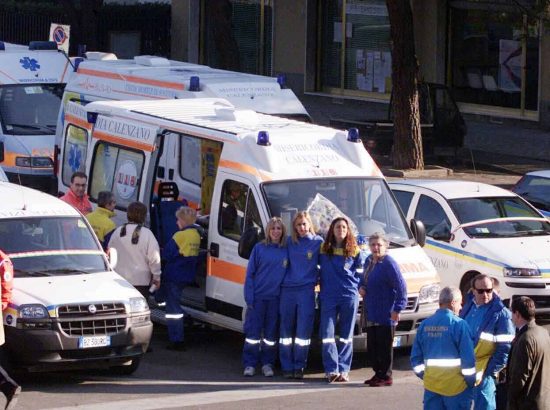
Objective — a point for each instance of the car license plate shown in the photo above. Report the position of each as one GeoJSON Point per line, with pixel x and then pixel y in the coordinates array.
{"type": "Point", "coordinates": [86, 342]}
{"type": "Point", "coordinates": [397, 341]}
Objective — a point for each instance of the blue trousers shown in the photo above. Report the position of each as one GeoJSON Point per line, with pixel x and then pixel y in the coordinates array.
{"type": "Point", "coordinates": [261, 320]}
{"type": "Point", "coordinates": [297, 313]}
{"type": "Point", "coordinates": [434, 401]}
{"type": "Point", "coordinates": [174, 312]}
{"type": "Point", "coordinates": [337, 356]}
{"type": "Point", "coordinates": [485, 394]}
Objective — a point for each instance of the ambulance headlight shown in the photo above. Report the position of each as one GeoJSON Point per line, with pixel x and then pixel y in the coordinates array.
{"type": "Point", "coordinates": [521, 272]}
{"type": "Point", "coordinates": [429, 293]}
{"type": "Point", "coordinates": [33, 312]}
{"type": "Point", "coordinates": [138, 305]}
{"type": "Point", "coordinates": [35, 162]}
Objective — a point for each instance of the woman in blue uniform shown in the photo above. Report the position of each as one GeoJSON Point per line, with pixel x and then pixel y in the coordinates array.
{"type": "Point", "coordinates": [265, 272]}
{"type": "Point", "coordinates": [297, 307]}
{"type": "Point", "coordinates": [339, 260]}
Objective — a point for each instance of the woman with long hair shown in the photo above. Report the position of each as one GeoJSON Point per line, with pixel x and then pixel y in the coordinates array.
{"type": "Point", "coordinates": [339, 260]}
{"type": "Point", "coordinates": [265, 272]}
{"type": "Point", "coordinates": [297, 307]}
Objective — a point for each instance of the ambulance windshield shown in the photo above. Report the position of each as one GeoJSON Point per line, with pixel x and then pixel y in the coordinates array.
{"type": "Point", "coordinates": [367, 203]}
{"type": "Point", "coordinates": [30, 109]}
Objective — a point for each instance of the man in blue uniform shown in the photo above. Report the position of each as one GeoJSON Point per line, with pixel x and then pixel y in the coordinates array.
{"type": "Point", "coordinates": [493, 332]}
{"type": "Point", "coordinates": [443, 356]}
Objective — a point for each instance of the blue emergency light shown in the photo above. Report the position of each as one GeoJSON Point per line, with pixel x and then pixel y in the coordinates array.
{"type": "Point", "coordinates": [91, 117]}
{"type": "Point", "coordinates": [263, 138]}
{"type": "Point", "coordinates": [353, 135]}
{"type": "Point", "coordinates": [2, 46]}
{"type": "Point", "coordinates": [81, 50]}
{"type": "Point", "coordinates": [77, 62]}
{"type": "Point", "coordinates": [194, 83]}
{"type": "Point", "coordinates": [281, 79]}
{"type": "Point", "coordinates": [43, 45]}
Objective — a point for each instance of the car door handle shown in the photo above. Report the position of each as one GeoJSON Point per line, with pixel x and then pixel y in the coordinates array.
{"type": "Point", "coordinates": [214, 250]}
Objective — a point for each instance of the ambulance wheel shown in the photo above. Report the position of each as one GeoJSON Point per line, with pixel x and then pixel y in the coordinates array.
{"type": "Point", "coordinates": [127, 369]}
{"type": "Point", "coordinates": [466, 283]}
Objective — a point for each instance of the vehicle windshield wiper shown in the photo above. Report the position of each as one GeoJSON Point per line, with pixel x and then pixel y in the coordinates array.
{"type": "Point", "coordinates": [32, 272]}
{"type": "Point", "coordinates": [396, 244]}
{"type": "Point", "coordinates": [48, 128]}
{"type": "Point", "coordinates": [64, 271]}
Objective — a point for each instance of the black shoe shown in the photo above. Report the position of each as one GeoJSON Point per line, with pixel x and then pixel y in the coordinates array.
{"type": "Point", "coordinates": [299, 374]}
{"type": "Point", "coordinates": [149, 349]}
{"type": "Point", "coordinates": [288, 375]}
{"type": "Point", "coordinates": [177, 346]}
{"type": "Point", "coordinates": [11, 391]}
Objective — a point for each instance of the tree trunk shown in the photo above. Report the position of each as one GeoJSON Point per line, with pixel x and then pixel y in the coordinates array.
{"type": "Point", "coordinates": [407, 139]}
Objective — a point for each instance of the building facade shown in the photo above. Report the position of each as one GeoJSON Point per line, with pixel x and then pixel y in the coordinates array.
{"type": "Point", "coordinates": [335, 55]}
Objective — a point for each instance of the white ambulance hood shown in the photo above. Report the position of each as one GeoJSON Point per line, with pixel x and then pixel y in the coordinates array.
{"type": "Point", "coordinates": [72, 289]}
{"type": "Point", "coordinates": [31, 145]}
{"type": "Point", "coordinates": [525, 252]}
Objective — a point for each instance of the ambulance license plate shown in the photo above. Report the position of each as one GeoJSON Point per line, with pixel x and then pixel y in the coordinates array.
{"type": "Point", "coordinates": [86, 342]}
{"type": "Point", "coordinates": [397, 341]}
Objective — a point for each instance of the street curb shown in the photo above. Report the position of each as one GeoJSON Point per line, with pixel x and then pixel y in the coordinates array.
{"type": "Point", "coordinates": [431, 171]}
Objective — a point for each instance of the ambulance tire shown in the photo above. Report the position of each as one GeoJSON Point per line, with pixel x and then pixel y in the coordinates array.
{"type": "Point", "coordinates": [466, 283]}
{"type": "Point", "coordinates": [126, 370]}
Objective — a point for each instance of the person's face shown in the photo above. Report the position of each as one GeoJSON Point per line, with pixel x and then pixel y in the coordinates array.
{"type": "Point", "coordinates": [276, 233]}
{"type": "Point", "coordinates": [378, 248]}
{"type": "Point", "coordinates": [340, 231]}
{"type": "Point", "coordinates": [235, 193]}
{"type": "Point", "coordinates": [302, 227]}
{"type": "Point", "coordinates": [78, 186]}
{"type": "Point", "coordinates": [516, 319]}
{"type": "Point", "coordinates": [111, 205]}
{"type": "Point", "coordinates": [483, 291]}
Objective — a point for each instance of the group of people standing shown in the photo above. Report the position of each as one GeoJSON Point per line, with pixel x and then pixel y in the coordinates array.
{"type": "Point", "coordinates": [280, 283]}
{"type": "Point", "coordinates": [138, 253]}
{"type": "Point", "coordinates": [462, 352]}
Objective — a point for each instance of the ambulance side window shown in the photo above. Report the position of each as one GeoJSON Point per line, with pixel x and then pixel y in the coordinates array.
{"type": "Point", "coordinates": [118, 170]}
{"type": "Point", "coordinates": [74, 153]}
{"type": "Point", "coordinates": [190, 159]}
{"type": "Point", "coordinates": [238, 210]}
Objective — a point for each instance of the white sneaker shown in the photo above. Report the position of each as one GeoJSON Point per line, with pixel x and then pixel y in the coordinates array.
{"type": "Point", "coordinates": [267, 370]}
{"type": "Point", "coordinates": [249, 371]}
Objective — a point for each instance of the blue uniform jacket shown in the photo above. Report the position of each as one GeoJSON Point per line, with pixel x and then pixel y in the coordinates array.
{"type": "Point", "coordinates": [303, 258]}
{"type": "Point", "coordinates": [443, 354]}
{"type": "Point", "coordinates": [265, 272]}
{"type": "Point", "coordinates": [494, 337]}
{"type": "Point", "coordinates": [339, 275]}
{"type": "Point", "coordinates": [181, 254]}
{"type": "Point", "coordinates": [386, 291]}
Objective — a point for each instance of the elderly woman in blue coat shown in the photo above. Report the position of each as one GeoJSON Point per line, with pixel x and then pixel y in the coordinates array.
{"type": "Point", "coordinates": [339, 260]}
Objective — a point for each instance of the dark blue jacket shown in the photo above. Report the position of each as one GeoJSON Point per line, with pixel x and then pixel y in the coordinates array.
{"type": "Point", "coordinates": [386, 291]}
{"type": "Point", "coordinates": [181, 255]}
{"type": "Point", "coordinates": [339, 277]}
{"type": "Point", "coordinates": [303, 257]}
{"type": "Point", "coordinates": [265, 272]}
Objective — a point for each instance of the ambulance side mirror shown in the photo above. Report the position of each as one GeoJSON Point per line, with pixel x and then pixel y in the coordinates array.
{"type": "Point", "coordinates": [1, 151]}
{"type": "Point", "coordinates": [419, 231]}
{"type": "Point", "coordinates": [249, 239]}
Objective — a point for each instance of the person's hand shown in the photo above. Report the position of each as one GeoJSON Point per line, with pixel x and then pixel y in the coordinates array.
{"type": "Point", "coordinates": [156, 281]}
{"type": "Point", "coordinates": [395, 316]}
{"type": "Point", "coordinates": [362, 292]}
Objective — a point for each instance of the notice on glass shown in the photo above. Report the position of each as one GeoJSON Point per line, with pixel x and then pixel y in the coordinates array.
{"type": "Point", "coordinates": [509, 75]}
{"type": "Point", "coordinates": [337, 37]}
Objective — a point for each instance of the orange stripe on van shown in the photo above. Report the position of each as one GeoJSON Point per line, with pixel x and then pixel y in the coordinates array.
{"type": "Point", "coordinates": [131, 78]}
{"type": "Point", "coordinates": [226, 270]}
{"type": "Point", "coordinates": [239, 167]}
{"type": "Point", "coordinates": [10, 77]}
{"type": "Point", "coordinates": [64, 71]}
{"type": "Point", "coordinates": [78, 121]}
{"type": "Point", "coordinates": [122, 141]}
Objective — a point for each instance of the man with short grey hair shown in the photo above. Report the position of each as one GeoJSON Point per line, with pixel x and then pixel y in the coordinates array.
{"type": "Point", "coordinates": [443, 355]}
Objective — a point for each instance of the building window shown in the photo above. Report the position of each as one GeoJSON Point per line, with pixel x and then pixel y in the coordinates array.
{"type": "Point", "coordinates": [493, 55]}
{"type": "Point", "coordinates": [355, 47]}
{"type": "Point", "coordinates": [237, 35]}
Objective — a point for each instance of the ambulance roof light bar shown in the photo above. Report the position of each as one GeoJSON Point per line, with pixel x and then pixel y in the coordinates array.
{"type": "Point", "coordinates": [353, 135]}
{"type": "Point", "coordinates": [42, 45]}
{"type": "Point", "coordinates": [2, 46]}
{"type": "Point", "coordinates": [263, 138]}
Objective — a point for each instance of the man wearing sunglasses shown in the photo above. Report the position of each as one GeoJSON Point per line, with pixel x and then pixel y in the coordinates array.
{"type": "Point", "coordinates": [491, 326]}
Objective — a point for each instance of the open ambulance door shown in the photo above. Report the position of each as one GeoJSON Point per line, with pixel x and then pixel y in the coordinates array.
{"type": "Point", "coordinates": [236, 206]}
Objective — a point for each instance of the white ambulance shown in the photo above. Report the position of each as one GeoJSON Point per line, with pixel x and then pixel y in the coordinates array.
{"type": "Point", "coordinates": [103, 77]}
{"type": "Point", "coordinates": [69, 308]}
{"type": "Point", "coordinates": [32, 79]}
{"type": "Point", "coordinates": [205, 149]}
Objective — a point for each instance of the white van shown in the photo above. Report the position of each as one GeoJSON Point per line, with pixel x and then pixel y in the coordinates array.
{"type": "Point", "coordinates": [479, 228]}
{"type": "Point", "coordinates": [203, 149]}
{"type": "Point", "coordinates": [32, 79]}
{"type": "Point", "coordinates": [69, 309]}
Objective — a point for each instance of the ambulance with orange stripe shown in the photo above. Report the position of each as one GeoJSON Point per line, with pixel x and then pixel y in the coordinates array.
{"type": "Point", "coordinates": [32, 79]}
{"type": "Point", "coordinates": [210, 149]}
{"type": "Point", "coordinates": [102, 77]}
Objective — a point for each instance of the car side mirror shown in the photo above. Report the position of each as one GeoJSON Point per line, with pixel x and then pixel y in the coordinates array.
{"type": "Point", "coordinates": [249, 239]}
{"type": "Point", "coordinates": [419, 231]}
{"type": "Point", "coordinates": [1, 151]}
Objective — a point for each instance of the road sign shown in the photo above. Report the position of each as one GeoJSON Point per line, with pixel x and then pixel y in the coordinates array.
{"type": "Point", "coordinates": [60, 34]}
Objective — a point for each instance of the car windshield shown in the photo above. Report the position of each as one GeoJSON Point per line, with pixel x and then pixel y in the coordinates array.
{"type": "Point", "coordinates": [478, 209]}
{"type": "Point", "coordinates": [51, 246]}
{"type": "Point", "coordinates": [30, 109]}
{"type": "Point", "coordinates": [367, 203]}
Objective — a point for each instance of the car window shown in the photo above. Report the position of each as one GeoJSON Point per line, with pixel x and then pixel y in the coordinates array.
{"type": "Point", "coordinates": [404, 199]}
{"type": "Point", "coordinates": [238, 210]}
{"type": "Point", "coordinates": [431, 213]}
